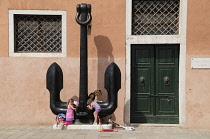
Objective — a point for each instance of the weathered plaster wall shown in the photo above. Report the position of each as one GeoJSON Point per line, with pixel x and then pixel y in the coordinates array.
{"type": "Point", "coordinates": [24, 98]}
{"type": "Point", "coordinates": [197, 80]}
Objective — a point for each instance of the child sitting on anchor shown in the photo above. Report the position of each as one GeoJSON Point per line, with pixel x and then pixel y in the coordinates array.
{"type": "Point", "coordinates": [70, 111]}
{"type": "Point", "coordinates": [91, 96]}
{"type": "Point", "coordinates": [94, 95]}
{"type": "Point", "coordinates": [92, 104]}
{"type": "Point", "coordinates": [60, 121]}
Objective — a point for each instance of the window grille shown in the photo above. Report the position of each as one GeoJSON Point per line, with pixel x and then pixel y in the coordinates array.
{"type": "Point", "coordinates": [155, 17]}
{"type": "Point", "coordinates": [38, 33]}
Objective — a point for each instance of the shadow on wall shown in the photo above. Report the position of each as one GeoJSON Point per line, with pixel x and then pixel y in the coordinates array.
{"type": "Point", "coordinates": [105, 57]}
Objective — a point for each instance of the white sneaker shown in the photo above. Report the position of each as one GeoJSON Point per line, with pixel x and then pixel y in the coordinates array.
{"type": "Point", "coordinates": [61, 126]}
{"type": "Point", "coordinates": [94, 123]}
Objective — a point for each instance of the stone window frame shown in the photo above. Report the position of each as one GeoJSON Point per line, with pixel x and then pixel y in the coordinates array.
{"type": "Point", "coordinates": [12, 52]}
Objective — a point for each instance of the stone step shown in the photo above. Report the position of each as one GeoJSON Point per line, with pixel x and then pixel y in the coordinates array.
{"type": "Point", "coordinates": [73, 126]}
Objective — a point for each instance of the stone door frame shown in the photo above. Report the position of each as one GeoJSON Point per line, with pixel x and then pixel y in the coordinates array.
{"type": "Point", "coordinates": [158, 39]}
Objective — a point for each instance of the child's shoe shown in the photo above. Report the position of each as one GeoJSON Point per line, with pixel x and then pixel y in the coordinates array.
{"type": "Point", "coordinates": [94, 123]}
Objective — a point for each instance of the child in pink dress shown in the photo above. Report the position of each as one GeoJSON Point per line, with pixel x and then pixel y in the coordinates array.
{"type": "Point", "coordinates": [70, 112]}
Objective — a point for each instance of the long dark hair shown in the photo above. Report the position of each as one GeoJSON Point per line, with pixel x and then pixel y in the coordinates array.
{"type": "Point", "coordinates": [93, 97]}
{"type": "Point", "coordinates": [70, 100]}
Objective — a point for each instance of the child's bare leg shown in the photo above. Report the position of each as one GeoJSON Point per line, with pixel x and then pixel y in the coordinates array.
{"type": "Point", "coordinates": [95, 117]}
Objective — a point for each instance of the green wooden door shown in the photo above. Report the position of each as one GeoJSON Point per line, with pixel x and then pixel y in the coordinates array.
{"type": "Point", "coordinates": [154, 84]}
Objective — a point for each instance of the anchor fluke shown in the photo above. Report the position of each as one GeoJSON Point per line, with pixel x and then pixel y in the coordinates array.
{"type": "Point", "coordinates": [54, 85]}
{"type": "Point", "coordinates": [112, 85]}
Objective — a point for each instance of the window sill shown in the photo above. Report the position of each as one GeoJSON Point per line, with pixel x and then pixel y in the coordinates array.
{"type": "Point", "coordinates": [37, 54]}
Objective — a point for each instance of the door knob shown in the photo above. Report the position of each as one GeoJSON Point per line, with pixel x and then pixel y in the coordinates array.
{"type": "Point", "coordinates": [168, 99]}
{"type": "Point", "coordinates": [166, 80]}
{"type": "Point", "coordinates": [142, 80]}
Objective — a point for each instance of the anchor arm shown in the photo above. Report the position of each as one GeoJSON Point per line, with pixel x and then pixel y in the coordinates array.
{"type": "Point", "coordinates": [112, 85]}
{"type": "Point", "coordinates": [55, 85]}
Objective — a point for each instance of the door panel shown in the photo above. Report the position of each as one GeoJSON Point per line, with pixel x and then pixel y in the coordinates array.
{"type": "Point", "coordinates": [142, 108]}
{"type": "Point", "coordinates": [143, 91]}
{"type": "Point", "coordinates": [143, 67]}
{"type": "Point", "coordinates": [165, 87]}
{"type": "Point", "coordinates": [166, 81]}
{"type": "Point", "coordinates": [143, 56]}
{"type": "Point", "coordinates": [165, 106]}
{"type": "Point", "coordinates": [144, 85]}
{"type": "Point", "coordinates": [154, 83]}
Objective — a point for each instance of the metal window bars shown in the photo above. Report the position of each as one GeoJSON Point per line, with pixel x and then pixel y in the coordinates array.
{"type": "Point", "coordinates": [38, 33]}
{"type": "Point", "coordinates": [155, 17]}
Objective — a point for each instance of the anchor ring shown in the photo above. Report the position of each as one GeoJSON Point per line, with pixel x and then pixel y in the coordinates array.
{"type": "Point", "coordinates": [88, 15]}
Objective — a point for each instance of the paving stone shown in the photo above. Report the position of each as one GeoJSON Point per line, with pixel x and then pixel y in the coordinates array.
{"type": "Point", "coordinates": [129, 136]}
{"type": "Point", "coordinates": [38, 136]}
{"type": "Point", "coordinates": [116, 136]}
{"type": "Point", "coordinates": [79, 136]}
{"type": "Point", "coordinates": [2, 131]}
{"type": "Point", "coordinates": [70, 135]}
{"type": "Point", "coordinates": [2, 127]}
{"type": "Point", "coordinates": [92, 137]}
{"type": "Point", "coordinates": [7, 134]}
{"type": "Point", "coordinates": [105, 137]}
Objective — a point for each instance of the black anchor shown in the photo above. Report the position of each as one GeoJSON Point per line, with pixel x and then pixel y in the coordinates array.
{"type": "Point", "coordinates": [55, 78]}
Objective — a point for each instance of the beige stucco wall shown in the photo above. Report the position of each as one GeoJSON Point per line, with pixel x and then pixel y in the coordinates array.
{"type": "Point", "coordinates": [24, 98]}
{"type": "Point", "coordinates": [198, 80]}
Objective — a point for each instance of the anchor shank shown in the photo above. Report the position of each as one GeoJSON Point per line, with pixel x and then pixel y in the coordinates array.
{"type": "Point", "coordinates": [83, 92]}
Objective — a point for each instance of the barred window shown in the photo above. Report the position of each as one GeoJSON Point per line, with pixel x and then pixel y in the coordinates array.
{"type": "Point", "coordinates": [38, 33]}
{"type": "Point", "coordinates": [155, 17]}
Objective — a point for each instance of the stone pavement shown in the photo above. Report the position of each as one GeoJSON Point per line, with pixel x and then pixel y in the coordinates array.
{"type": "Point", "coordinates": [47, 132]}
